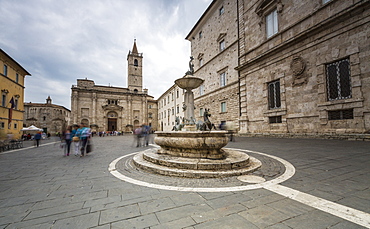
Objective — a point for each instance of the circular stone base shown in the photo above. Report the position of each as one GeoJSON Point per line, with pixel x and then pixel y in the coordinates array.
{"type": "Point", "coordinates": [236, 163]}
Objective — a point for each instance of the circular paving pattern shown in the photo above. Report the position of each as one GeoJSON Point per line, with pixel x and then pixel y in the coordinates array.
{"type": "Point", "coordinates": [274, 170]}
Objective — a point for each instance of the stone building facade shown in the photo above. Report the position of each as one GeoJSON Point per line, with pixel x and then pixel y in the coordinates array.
{"type": "Point", "coordinates": [48, 116]}
{"type": "Point", "coordinates": [106, 108]}
{"type": "Point", "coordinates": [214, 46]}
{"type": "Point", "coordinates": [170, 106]}
{"type": "Point", "coordinates": [12, 78]}
{"type": "Point", "coordinates": [304, 66]}
{"type": "Point", "coordinates": [293, 67]}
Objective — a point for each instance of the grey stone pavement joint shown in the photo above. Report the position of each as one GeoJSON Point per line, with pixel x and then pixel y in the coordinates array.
{"type": "Point", "coordinates": [39, 188]}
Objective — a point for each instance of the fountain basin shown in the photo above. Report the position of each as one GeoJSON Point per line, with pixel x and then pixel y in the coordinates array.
{"type": "Point", "coordinates": [192, 144]}
{"type": "Point", "coordinates": [189, 82]}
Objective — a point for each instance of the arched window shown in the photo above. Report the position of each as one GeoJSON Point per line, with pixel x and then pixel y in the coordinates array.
{"type": "Point", "coordinates": [136, 63]}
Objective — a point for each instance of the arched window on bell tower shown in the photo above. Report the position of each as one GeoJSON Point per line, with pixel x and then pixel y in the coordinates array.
{"type": "Point", "coordinates": [136, 63]}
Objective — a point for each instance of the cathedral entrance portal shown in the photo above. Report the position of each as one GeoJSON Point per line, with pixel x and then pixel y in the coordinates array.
{"type": "Point", "coordinates": [112, 121]}
{"type": "Point", "coordinates": [112, 124]}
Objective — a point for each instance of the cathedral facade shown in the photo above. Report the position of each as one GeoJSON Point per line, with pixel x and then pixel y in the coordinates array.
{"type": "Point", "coordinates": [106, 108]}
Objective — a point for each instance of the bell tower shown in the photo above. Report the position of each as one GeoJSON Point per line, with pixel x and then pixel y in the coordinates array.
{"type": "Point", "coordinates": [135, 70]}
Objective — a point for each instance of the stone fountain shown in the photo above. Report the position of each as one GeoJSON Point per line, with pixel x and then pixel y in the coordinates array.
{"type": "Point", "coordinates": [191, 153]}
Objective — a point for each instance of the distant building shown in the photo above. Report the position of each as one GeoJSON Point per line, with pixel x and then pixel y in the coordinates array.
{"type": "Point", "coordinates": [12, 79]}
{"type": "Point", "coordinates": [170, 106]}
{"type": "Point", "coordinates": [50, 117]}
{"type": "Point", "coordinates": [106, 108]}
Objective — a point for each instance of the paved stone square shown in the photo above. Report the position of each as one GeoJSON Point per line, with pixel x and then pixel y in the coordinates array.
{"type": "Point", "coordinates": [39, 188]}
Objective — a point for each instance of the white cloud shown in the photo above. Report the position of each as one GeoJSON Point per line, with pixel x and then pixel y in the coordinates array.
{"type": "Point", "coordinates": [61, 41]}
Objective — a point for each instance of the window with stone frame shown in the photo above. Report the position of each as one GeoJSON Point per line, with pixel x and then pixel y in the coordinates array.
{"type": "Point", "coordinates": [3, 99]}
{"type": "Point", "coordinates": [223, 107]}
{"type": "Point", "coordinates": [340, 114]}
{"type": "Point", "coordinates": [221, 10]}
{"type": "Point", "coordinates": [200, 62]}
{"type": "Point", "coordinates": [2, 125]}
{"type": "Point", "coordinates": [272, 23]}
{"type": "Point", "coordinates": [201, 89]}
{"type": "Point", "coordinates": [274, 100]}
{"type": "Point", "coordinates": [222, 45]}
{"type": "Point", "coordinates": [223, 80]}
{"type": "Point", "coordinates": [338, 80]}
{"type": "Point", "coordinates": [201, 112]}
{"type": "Point", "coordinates": [5, 70]}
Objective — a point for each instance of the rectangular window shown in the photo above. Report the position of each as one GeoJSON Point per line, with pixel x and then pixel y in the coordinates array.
{"type": "Point", "coordinates": [177, 109]}
{"type": "Point", "coordinates": [16, 77]}
{"type": "Point", "coordinates": [274, 95]}
{"type": "Point", "coordinates": [177, 93]}
{"type": "Point", "coordinates": [2, 125]}
{"type": "Point", "coordinates": [222, 45]}
{"type": "Point", "coordinates": [15, 126]}
{"type": "Point", "coordinates": [223, 107]}
{"type": "Point", "coordinates": [222, 10]}
{"type": "Point", "coordinates": [5, 70]}
{"type": "Point", "coordinates": [200, 62]}
{"type": "Point", "coordinates": [223, 79]}
{"type": "Point", "coordinates": [340, 114]}
{"type": "Point", "coordinates": [173, 111]}
{"type": "Point", "coordinates": [275, 119]}
{"type": "Point", "coordinates": [3, 100]}
{"type": "Point", "coordinates": [338, 78]}
{"type": "Point", "coordinates": [200, 34]}
{"type": "Point", "coordinates": [201, 112]}
{"type": "Point", "coordinates": [201, 90]}
{"type": "Point", "coordinates": [16, 104]}
{"type": "Point", "coordinates": [271, 24]}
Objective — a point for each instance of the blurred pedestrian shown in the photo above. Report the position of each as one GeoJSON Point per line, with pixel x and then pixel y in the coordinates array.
{"type": "Point", "coordinates": [84, 133]}
{"type": "Point", "coordinates": [37, 138]}
{"type": "Point", "coordinates": [75, 140]}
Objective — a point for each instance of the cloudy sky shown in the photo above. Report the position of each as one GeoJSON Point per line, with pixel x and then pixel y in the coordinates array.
{"type": "Point", "coordinates": [60, 41]}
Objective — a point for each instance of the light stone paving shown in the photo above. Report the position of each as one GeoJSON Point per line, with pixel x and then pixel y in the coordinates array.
{"type": "Point", "coordinates": [39, 188]}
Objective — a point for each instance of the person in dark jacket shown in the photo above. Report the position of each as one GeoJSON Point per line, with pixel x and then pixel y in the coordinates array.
{"type": "Point", "coordinates": [38, 138]}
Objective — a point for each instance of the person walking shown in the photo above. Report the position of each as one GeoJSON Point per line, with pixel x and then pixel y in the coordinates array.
{"type": "Point", "coordinates": [85, 133]}
{"type": "Point", "coordinates": [76, 141]}
{"type": "Point", "coordinates": [67, 137]}
{"type": "Point", "coordinates": [37, 138]}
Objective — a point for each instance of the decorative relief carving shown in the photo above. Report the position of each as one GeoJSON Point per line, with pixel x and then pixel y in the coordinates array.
{"type": "Point", "coordinates": [298, 66]}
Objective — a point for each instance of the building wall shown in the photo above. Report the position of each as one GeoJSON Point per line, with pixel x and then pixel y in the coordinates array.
{"type": "Point", "coordinates": [170, 106]}
{"type": "Point", "coordinates": [309, 39]}
{"type": "Point", "coordinates": [211, 29]}
{"type": "Point", "coordinates": [11, 86]}
{"type": "Point", "coordinates": [50, 117]}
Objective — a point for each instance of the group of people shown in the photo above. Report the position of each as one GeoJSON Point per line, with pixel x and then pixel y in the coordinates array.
{"type": "Point", "coordinates": [142, 135]}
{"type": "Point", "coordinates": [80, 137]}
